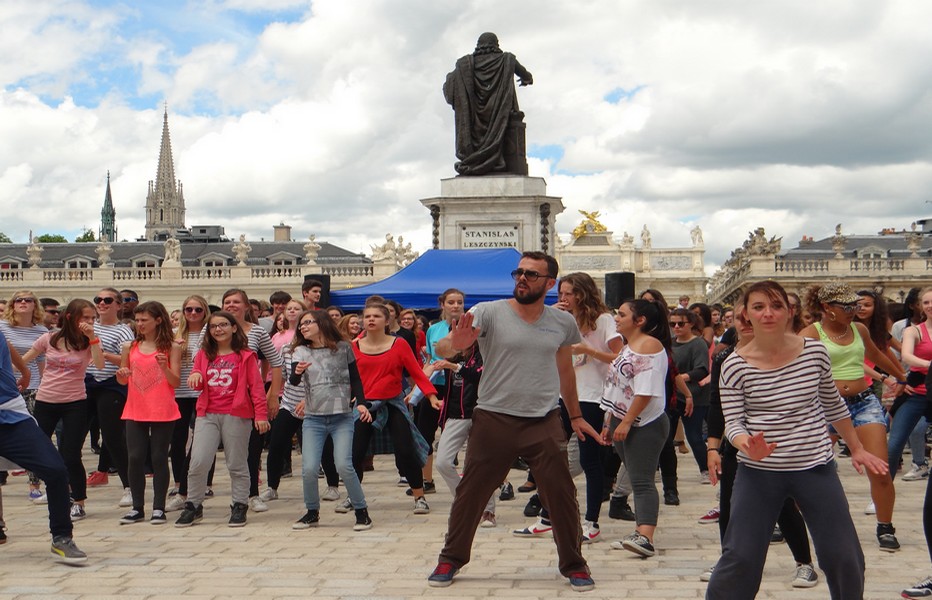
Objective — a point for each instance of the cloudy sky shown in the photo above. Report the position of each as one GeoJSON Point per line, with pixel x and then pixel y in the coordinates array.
{"type": "Point", "coordinates": [328, 115]}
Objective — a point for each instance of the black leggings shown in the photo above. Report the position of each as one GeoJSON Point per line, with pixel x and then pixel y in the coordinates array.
{"type": "Point", "coordinates": [283, 429]}
{"type": "Point", "coordinates": [427, 419]}
{"type": "Point", "coordinates": [143, 438]}
{"type": "Point", "coordinates": [405, 457]}
{"type": "Point", "coordinates": [791, 522]}
{"type": "Point", "coordinates": [73, 416]}
{"type": "Point", "coordinates": [110, 403]}
{"type": "Point", "coordinates": [179, 443]}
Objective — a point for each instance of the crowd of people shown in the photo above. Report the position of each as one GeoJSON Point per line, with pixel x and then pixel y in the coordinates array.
{"type": "Point", "coordinates": [764, 395]}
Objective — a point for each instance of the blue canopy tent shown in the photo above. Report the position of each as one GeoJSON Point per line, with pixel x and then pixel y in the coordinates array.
{"type": "Point", "coordinates": [482, 274]}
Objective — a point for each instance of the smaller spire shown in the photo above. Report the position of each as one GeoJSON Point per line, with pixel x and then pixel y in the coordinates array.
{"type": "Point", "coordinates": [108, 231]}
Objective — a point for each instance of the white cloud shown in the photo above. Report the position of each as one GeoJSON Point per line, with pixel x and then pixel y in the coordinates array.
{"type": "Point", "coordinates": [794, 116]}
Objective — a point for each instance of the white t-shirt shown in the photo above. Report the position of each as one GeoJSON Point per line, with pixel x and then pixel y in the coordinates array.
{"type": "Point", "coordinates": [591, 372]}
{"type": "Point", "coordinates": [633, 374]}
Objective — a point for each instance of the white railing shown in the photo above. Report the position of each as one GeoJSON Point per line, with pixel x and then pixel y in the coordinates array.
{"type": "Point", "coordinates": [11, 275]}
{"type": "Point", "coordinates": [860, 265]}
{"type": "Point", "coordinates": [211, 273]}
{"type": "Point", "coordinates": [348, 271]}
{"type": "Point", "coordinates": [136, 274]}
{"type": "Point", "coordinates": [276, 272]}
{"type": "Point", "coordinates": [800, 266]}
{"type": "Point", "coordinates": [67, 274]}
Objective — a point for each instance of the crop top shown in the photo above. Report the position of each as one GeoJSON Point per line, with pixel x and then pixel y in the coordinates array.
{"type": "Point", "coordinates": [847, 360]}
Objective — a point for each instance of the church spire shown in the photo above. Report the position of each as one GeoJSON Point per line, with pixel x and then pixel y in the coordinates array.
{"type": "Point", "coordinates": [165, 200]}
{"type": "Point", "coordinates": [108, 231]}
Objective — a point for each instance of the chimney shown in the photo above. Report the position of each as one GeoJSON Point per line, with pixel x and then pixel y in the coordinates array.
{"type": "Point", "coordinates": [282, 233]}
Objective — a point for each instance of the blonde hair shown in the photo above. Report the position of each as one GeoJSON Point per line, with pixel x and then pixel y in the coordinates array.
{"type": "Point", "coordinates": [38, 314]}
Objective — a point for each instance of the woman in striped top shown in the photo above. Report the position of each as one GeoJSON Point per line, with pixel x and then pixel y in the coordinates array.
{"type": "Point", "coordinates": [777, 394]}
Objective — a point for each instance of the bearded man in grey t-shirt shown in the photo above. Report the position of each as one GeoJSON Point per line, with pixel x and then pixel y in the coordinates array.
{"type": "Point", "coordinates": [528, 366]}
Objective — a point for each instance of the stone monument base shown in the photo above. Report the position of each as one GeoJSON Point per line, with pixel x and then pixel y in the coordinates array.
{"type": "Point", "coordinates": [494, 211]}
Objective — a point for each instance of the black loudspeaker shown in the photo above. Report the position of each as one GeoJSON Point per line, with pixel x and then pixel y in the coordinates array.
{"type": "Point", "coordinates": [324, 279]}
{"type": "Point", "coordinates": [619, 286]}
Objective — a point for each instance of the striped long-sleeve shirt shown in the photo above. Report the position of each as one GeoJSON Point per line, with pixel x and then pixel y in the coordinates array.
{"type": "Point", "coordinates": [790, 405]}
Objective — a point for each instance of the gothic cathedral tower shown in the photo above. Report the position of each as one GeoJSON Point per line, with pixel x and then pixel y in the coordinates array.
{"type": "Point", "coordinates": [108, 230]}
{"type": "Point", "coordinates": [165, 201]}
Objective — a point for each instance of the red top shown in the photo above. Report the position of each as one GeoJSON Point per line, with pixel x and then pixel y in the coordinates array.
{"type": "Point", "coordinates": [381, 373]}
{"type": "Point", "coordinates": [149, 396]}
{"type": "Point", "coordinates": [923, 350]}
{"type": "Point", "coordinates": [232, 385]}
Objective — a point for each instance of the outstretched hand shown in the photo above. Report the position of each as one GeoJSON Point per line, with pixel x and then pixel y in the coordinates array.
{"type": "Point", "coordinates": [463, 335]}
{"type": "Point", "coordinates": [757, 448]}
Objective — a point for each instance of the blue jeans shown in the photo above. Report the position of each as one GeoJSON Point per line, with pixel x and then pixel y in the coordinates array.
{"type": "Point", "coordinates": [904, 422]}
{"type": "Point", "coordinates": [340, 429]}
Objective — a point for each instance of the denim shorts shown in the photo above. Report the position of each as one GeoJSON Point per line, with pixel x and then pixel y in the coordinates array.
{"type": "Point", "coordinates": [866, 411]}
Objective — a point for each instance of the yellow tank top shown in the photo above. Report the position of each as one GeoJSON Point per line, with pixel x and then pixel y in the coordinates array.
{"type": "Point", "coordinates": [848, 360]}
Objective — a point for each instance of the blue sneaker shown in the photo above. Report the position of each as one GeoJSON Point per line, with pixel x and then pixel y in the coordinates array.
{"type": "Point", "coordinates": [581, 582]}
{"type": "Point", "coordinates": [35, 494]}
{"type": "Point", "coordinates": [442, 575]}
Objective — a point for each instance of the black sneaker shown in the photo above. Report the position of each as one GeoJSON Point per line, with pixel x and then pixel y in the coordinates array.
{"type": "Point", "coordinates": [133, 516]}
{"type": "Point", "coordinates": [238, 514]}
{"type": "Point", "coordinates": [777, 536]}
{"type": "Point", "coordinates": [923, 589]}
{"type": "Point", "coordinates": [507, 492]}
{"type": "Point", "coordinates": [363, 522]}
{"type": "Point", "coordinates": [190, 515]}
{"type": "Point", "coordinates": [429, 488]}
{"type": "Point", "coordinates": [532, 509]}
{"type": "Point", "coordinates": [671, 498]}
{"type": "Point", "coordinates": [886, 537]}
{"type": "Point", "coordinates": [158, 517]}
{"type": "Point", "coordinates": [310, 519]}
{"type": "Point", "coordinates": [618, 508]}
{"type": "Point", "coordinates": [2, 536]}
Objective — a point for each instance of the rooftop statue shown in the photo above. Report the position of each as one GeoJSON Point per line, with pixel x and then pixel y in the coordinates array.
{"type": "Point", "coordinates": [489, 126]}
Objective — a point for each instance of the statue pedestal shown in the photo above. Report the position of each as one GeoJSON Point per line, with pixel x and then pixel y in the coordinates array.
{"type": "Point", "coordinates": [494, 211]}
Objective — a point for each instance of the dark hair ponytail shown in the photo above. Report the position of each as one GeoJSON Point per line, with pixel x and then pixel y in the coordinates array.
{"type": "Point", "coordinates": [655, 320]}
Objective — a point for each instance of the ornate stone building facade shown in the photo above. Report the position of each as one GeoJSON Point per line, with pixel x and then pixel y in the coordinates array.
{"type": "Point", "coordinates": [889, 262]}
{"type": "Point", "coordinates": [165, 200]}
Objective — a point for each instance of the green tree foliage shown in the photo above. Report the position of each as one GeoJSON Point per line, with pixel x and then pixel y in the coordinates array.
{"type": "Point", "coordinates": [87, 236]}
{"type": "Point", "coordinates": [52, 238]}
{"type": "Point", "coordinates": [5, 239]}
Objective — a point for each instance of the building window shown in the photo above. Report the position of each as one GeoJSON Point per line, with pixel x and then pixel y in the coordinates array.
{"type": "Point", "coordinates": [283, 262]}
{"type": "Point", "coordinates": [78, 264]}
{"type": "Point", "coordinates": [6, 266]}
{"type": "Point", "coordinates": [213, 263]}
{"type": "Point", "coordinates": [145, 264]}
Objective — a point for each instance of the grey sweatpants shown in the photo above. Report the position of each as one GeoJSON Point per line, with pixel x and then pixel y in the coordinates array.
{"type": "Point", "coordinates": [209, 431]}
{"type": "Point", "coordinates": [455, 432]}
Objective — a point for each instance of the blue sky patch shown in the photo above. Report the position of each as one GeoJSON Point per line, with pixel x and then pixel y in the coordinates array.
{"type": "Point", "coordinates": [619, 94]}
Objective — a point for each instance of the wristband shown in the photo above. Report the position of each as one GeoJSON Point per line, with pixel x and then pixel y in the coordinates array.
{"type": "Point", "coordinates": [901, 382]}
{"type": "Point", "coordinates": [94, 341]}
{"type": "Point", "coordinates": [576, 417]}
{"type": "Point", "coordinates": [719, 450]}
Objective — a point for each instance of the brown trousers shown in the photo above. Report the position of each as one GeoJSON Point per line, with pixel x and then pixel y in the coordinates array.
{"type": "Point", "coordinates": [495, 440]}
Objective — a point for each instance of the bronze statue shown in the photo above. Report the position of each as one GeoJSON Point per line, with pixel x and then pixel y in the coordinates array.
{"type": "Point", "coordinates": [489, 126]}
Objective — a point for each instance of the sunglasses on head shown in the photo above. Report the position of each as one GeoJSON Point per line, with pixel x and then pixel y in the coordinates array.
{"type": "Point", "coordinates": [193, 309]}
{"type": "Point", "coordinates": [108, 300]}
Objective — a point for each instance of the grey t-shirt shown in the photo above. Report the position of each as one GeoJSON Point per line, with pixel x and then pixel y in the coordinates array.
{"type": "Point", "coordinates": [520, 376]}
{"type": "Point", "coordinates": [327, 380]}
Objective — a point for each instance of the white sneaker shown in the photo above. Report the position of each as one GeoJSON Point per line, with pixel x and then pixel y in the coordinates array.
{"type": "Point", "coordinates": [43, 499]}
{"type": "Point", "coordinates": [707, 574]}
{"type": "Point", "coordinates": [343, 507]}
{"type": "Point", "coordinates": [175, 503]}
{"type": "Point", "coordinates": [127, 499]}
{"type": "Point", "coordinates": [590, 532]}
{"type": "Point", "coordinates": [267, 495]}
{"type": "Point", "coordinates": [916, 473]}
{"type": "Point", "coordinates": [704, 478]}
{"type": "Point", "coordinates": [806, 577]}
{"type": "Point", "coordinates": [256, 504]}
{"type": "Point", "coordinates": [331, 494]}
{"type": "Point", "coordinates": [871, 509]}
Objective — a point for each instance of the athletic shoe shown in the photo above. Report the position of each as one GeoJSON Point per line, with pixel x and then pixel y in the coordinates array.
{"type": "Point", "coordinates": [704, 478]}
{"type": "Point", "coordinates": [209, 493]}
{"type": "Point", "coordinates": [363, 522]}
{"type": "Point", "coordinates": [527, 487]}
{"type": "Point", "coordinates": [287, 475]}
{"type": "Point", "coordinates": [590, 532]}
{"type": "Point", "coordinates": [97, 478]}
{"type": "Point", "coordinates": [267, 495]}
{"type": "Point", "coordinates": [331, 494]}
{"type": "Point", "coordinates": [707, 574]}
{"type": "Point", "coordinates": [65, 548]}
{"type": "Point", "coordinates": [310, 519]}
{"type": "Point", "coordinates": [886, 537]}
{"type": "Point", "coordinates": [133, 516]}
{"type": "Point", "coordinates": [916, 473]}
{"type": "Point", "coordinates": [806, 577]}
{"type": "Point", "coordinates": [671, 498]}
{"type": "Point", "coordinates": [2, 536]}
{"type": "Point", "coordinates": [871, 509]}
{"type": "Point", "coordinates": [618, 508]}
{"type": "Point", "coordinates": [507, 492]}
{"type": "Point", "coordinates": [488, 519]}
{"type": "Point", "coordinates": [343, 507]}
{"type": "Point", "coordinates": [420, 506]}
{"type": "Point", "coordinates": [190, 515]}
{"type": "Point", "coordinates": [403, 482]}
{"type": "Point", "coordinates": [533, 506]}
{"type": "Point", "coordinates": [710, 517]}
{"type": "Point", "coordinates": [127, 499]}
{"type": "Point", "coordinates": [442, 575]}
{"type": "Point", "coordinates": [777, 536]}
{"type": "Point", "coordinates": [77, 512]}
{"type": "Point", "coordinates": [42, 499]}
{"type": "Point", "coordinates": [35, 494]}
{"type": "Point", "coordinates": [581, 582]}
{"type": "Point", "coordinates": [173, 492]}
{"type": "Point", "coordinates": [429, 488]}
{"type": "Point", "coordinates": [238, 514]}
{"type": "Point", "coordinates": [923, 589]}
{"type": "Point", "coordinates": [176, 503]}
{"type": "Point", "coordinates": [636, 543]}
{"type": "Point", "coordinates": [158, 518]}
{"type": "Point", "coordinates": [539, 528]}
{"type": "Point", "coordinates": [256, 504]}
